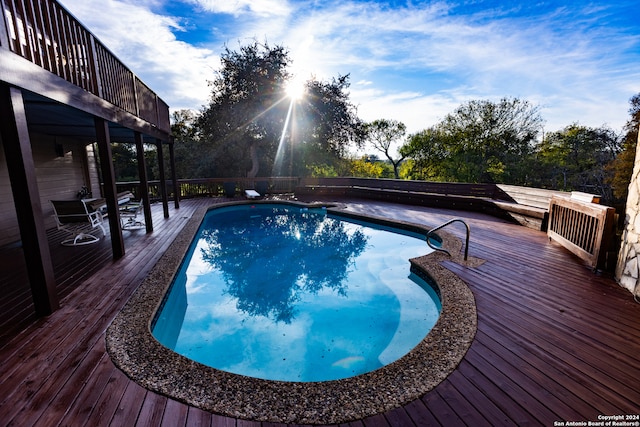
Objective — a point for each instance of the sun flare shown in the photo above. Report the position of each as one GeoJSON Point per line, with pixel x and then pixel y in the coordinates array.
{"type": "Point", "coordinates": [295, 88]}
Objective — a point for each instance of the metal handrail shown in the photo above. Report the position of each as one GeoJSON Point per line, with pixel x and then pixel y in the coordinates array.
{"type": "Point", "coordinates": [466, 246]}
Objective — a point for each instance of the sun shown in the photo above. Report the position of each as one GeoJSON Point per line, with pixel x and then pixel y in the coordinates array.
{"type": "Point", "coordinates": [295, 88]}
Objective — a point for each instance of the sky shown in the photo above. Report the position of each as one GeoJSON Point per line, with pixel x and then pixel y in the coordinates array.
{"type": "Point", "coordinates": [412, 61]}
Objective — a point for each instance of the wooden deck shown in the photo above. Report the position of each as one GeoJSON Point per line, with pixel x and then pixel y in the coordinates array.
{"type": "Point", "coordinates": [555, 341]}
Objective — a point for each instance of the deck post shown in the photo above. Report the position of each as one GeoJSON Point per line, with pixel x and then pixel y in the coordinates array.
{"type": "Point", "coordinates": [174, 178]}
{"type": "Point", "coordinates": [144, 182]}
{"type": "Point", "coordinates": [109, 185]}
{"type": "Point", "coordinates": [163, 182]}
{"type": "Point", "coordinates": [14, 135]}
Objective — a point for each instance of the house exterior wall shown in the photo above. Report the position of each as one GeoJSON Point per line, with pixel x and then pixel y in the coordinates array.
{"type": "Point", "coordinates": [59, 177]}
{"type": "Point", "coordinates": [628, 267]}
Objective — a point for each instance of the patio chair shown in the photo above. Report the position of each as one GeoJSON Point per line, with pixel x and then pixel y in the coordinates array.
{"type": "Point", "coordinates": [129, 215]}
{"type": "Point", "coordinates": [76, 218]}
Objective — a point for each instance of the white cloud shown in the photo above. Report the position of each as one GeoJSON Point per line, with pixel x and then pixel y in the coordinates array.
{"type": "Point", "coordinates": [419, 61]}
{"type": "Point", "coordinates": [416, 110]}
{"type": "Point", "coordinates": [499, 58]}
{"type": "Point", "coordinates": [177, 71]}
{"type": "Point", "coordinates": [239, 7]}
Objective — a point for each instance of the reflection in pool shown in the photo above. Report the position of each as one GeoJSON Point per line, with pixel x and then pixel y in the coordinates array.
{"type": "Point", "coordinates": [284, 293]}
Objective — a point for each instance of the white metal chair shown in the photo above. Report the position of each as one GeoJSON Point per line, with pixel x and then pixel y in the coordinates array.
{"type": "Point", "coordinates": [75, 217]}
{"type": "Point", "coordinates": [129, 215]}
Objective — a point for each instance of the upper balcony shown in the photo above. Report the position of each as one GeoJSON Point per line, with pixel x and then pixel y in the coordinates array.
{"type": "Point", "coordinates": [46, 51]}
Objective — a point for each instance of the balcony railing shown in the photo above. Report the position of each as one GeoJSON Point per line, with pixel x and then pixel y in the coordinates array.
{"type": "Point", "coordinates": [46, 34]}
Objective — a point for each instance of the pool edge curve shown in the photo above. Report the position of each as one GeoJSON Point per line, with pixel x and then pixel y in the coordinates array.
{"type": "Point", "coordinates": [142, 358]}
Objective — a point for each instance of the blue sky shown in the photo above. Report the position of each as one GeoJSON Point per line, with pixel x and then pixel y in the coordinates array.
{"type": "Point", "coordinates": [413, 61]}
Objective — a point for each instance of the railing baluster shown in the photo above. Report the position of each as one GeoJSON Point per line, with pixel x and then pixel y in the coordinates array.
{"type": "Point", "coordinates": [77, 54]}
{"type": "Point", "coordinates": [14, 30]}
{"type": "Point", "coordinates": [93, 59]}
{"type": "Point", "coordinates": [34, 32]}
{"type": "Point", "coordinates": [64, 45]}
{"type": "Point", "coordinates": [28, 43]}
{"type": "Point", "coordinates": [54, 15]}
{"type": "Point", "coordinates": [43, 36]}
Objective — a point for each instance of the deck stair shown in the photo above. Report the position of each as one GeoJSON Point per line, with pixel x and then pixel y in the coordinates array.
{"type": "Point", "coordinates": [526, 205]}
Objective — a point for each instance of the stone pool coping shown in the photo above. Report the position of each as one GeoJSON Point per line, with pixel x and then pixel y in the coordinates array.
{"type": "Point", "coordinates": [142, 358]}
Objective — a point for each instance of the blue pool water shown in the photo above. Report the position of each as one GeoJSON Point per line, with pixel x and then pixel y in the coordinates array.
{"type": "Point", "coordinates": [283, 293]}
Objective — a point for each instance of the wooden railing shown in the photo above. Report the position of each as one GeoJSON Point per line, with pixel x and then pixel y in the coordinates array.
{"type": "Point", "coordinates": [213, 187]}
{"type": "Point", "coordinates": [46, 34]}
{"type": "Point", "coordinates": [583, 228]}
{"type": "Point", "coordinates": [444, 188]}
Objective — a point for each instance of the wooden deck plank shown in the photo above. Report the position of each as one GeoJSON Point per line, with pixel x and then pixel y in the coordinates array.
{"type": "Point", "coordinates": [487, 389]}
{"type": "Point", "coordinates": [50, 400]}
{"type": "Point", "coordinates": [376, 421]}
{"type": "Point", "coordinates": [199, 418]}
{"type": "Point", "coordinates": [555, 341]}
{"type": "Point", "coordinates": [73, 335]}
{"type": "Point", "coordinates": [152, 410]}
{"type": "Point", "coordinates": [561, 377]}
{"type": "Point", "coordinates": [220, 421]}
{"type": "Point", "coordinates": [549, 337]}
{"type": "Point", "coordinates": [175, 414]}
{"type": "Point", "coordinates": [462, 407]}
{"type": "Point", "coordinates": [245, 423]}
{"type": "Point", "coordinates": [522, 397]}
{"type": "Point", "coordinates": [125, 412]}
{"type": "Point", "coordinates": [399, 417]}
{"type": "Point", "coordinates": [591, 331]}
{"type": "Point", "coordinates": [420, 414]}
{"type": "Point", "coordinates": [480, 405]}
{"type": "Point", "coordinates": [80, 410]}
{"type": "Point", "coordinates": [107, 404]}
{"type": "Point", "coordinates": [445, 414]}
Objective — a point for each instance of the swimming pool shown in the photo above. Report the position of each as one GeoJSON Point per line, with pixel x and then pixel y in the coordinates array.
{"type": "Point", "coordinates": [135, 351]}
{"type": "Point", "coordinates": [296, 294]}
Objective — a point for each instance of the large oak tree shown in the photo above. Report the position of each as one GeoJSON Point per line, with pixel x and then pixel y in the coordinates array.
{"type": "Point", "coordinates": [252, 124]}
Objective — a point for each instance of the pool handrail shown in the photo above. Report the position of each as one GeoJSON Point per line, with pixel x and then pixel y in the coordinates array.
{"type": "Point", "coordinates": [466, 246]}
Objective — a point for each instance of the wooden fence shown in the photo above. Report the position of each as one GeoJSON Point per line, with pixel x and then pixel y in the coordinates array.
{"type": "Point", "coordinates": [583, 228]}
{"type": "Point", "coordinates": [213, 187]}
{"type": "Point", "coordinates": [401, 185]}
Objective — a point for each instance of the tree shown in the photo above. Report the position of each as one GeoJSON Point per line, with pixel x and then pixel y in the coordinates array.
{"type": "Point", "coordinates": [245, 117]}
{"type": "Point", "coordinates": [622, 166]}
{"type": "Point", "coordinates": [365, 168]}
{"type": "Point", "coordinates": [191, 154]}
{"type": "Point", "coordinates": [481, 141]}
{"type": "Point", "coordinates": [251, 122]}
{"type": "Point", "coordinates": [429, 156]}
{"type": "Point", "coordinates": [382, 133]}
{"type": "Point", "coordinates": [125, 161]}
{"type": "Point", "coordinates": [125, 165]}
{"type": "Point", "coordinates": [575, 158]}
{"type": "Point", "coordinates": [324, 124]}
